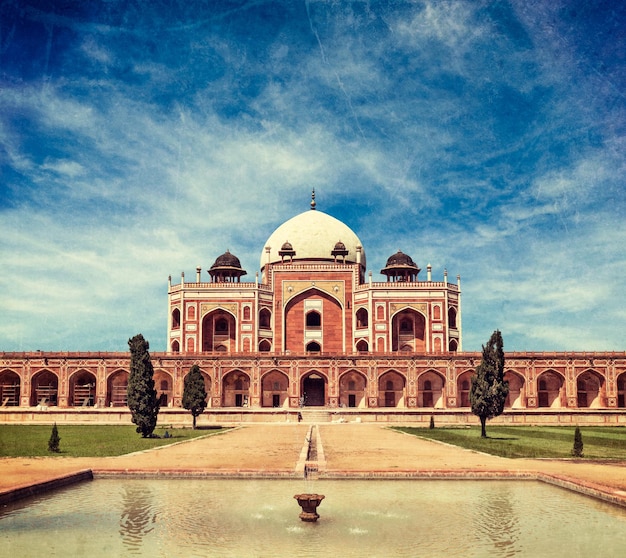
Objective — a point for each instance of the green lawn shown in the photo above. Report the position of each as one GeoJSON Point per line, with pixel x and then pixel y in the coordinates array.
{"type": "Point", "coordinates": [17, 440]}
{"type": "Point", "coordinates": [531, 441]}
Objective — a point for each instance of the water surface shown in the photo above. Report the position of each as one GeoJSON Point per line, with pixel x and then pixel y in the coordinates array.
{"type": "Point", "coordinates": [247, 518]}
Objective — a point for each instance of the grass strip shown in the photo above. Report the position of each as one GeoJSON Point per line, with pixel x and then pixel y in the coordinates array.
{"type": "Point", "coordinates": [17, 440]}
{"type": "Point", "coordinates": [600, 443]}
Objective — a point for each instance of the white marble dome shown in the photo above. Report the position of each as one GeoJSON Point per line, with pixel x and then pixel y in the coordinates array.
{"type": "Point", "coordinates": [313, 235]}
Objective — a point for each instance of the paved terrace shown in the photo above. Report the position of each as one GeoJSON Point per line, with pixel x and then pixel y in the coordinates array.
{"type": "Point", "coordinates": [343, 451]}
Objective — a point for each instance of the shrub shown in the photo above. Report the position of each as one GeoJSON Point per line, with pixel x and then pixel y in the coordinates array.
{"type": "Point", "coordinates": [53, 442]}
{"type": "Point", "coordinates": [577, 450]}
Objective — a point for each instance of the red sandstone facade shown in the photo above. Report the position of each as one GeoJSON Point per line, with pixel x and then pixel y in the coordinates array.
{"type": "Point", "coordinates": [314, 330]}
{"type": "Point", "coordinates": [538, 381]}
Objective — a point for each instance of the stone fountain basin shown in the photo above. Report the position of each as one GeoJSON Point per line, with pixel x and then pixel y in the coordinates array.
{"type": "Point", "coordinates": [309, 504]}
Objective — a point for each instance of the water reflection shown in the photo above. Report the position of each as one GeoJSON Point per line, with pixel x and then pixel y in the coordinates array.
{"type": "Point", "coordinates": [496, 520]}
{"type": "Point", "coordinates": [138, 514]}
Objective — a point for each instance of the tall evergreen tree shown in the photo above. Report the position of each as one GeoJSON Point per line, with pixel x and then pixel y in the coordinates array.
{"type": "Point", "coordinates": [577, 450]}
{"type": "Point", "coordinates": [55, 440]}
{"type": "Point", "coordinates": [489, 388]}
{"type": "Point", "coordinates": [142, 397]}
{"type": "Point", "coordinates": [194, 393]}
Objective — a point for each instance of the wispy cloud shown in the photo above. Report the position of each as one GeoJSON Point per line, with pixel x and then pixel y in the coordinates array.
{"type": "Point", "coordinates": [483, 138]}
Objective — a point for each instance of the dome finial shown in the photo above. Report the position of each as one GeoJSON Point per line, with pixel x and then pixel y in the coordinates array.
{"type": "Point", "coordinates": [313, 199]}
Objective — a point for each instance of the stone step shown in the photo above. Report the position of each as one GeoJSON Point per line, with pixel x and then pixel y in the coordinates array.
{"type": "Point", "coordinates": [312, 416]}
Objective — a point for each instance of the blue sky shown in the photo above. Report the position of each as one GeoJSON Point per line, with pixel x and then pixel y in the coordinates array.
{"type": "Point", "coordinates": [141, 139]}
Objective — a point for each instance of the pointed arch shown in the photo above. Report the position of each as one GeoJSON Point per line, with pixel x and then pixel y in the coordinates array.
{"type": "Point", "coordinates": [314, 389]}
{"type": "Point", "coordinates": [82, 385]}
{"type": "Point", "coordinates": [621, 390]}
{"type": "Point", "coordinates": [362, 318]}
{"type": "Point", "coordinates": [431, 389]}
{"type": "Point", "coordinates": [236, 389]}
{"type": "Point", "coordinates": [191, 312]}
{"type": "Point", "coordinates": [313, 347]}
{"type": "Point", "coordinates": [436, 312]}
{"type": "Point", "coordinates": [550, 389]}
{"type": "Point", "coordinates": [352, 389]}
{"type": "Point", "coordinates": [391, 389]}
{"type": "Point", "coordinates": [176, 318]}
{"type": "Point", "coordinates": [191, 345]}
{"type": "Point", "coordinates": [310, 316]}
{"type": "Point", "coordinates": [219, 331]}
{"type": "Point", "coordinates": [117, 386]}
{"type": "Point", "coordinates": [265, 318]}
{"type": "Point", "coordinates": [516, 398]}
{"type": "Point", "coordinates": [408, 331]}
{"type": "Point", "coordinates": [275, 389]}
{"type": "Point", "coordinates": [164, 384]}
{"type": "Point", "coordinates": [463, 386]}
{"type": "Point", "coordinates": [590, 390]}
{"type": "Point", "coordinates": [313, 319]}
{"type": "Point", "coordinates": [437, 344]}
{"type": "Point", "coordinates": [452, 313]}
{"type": "Point", "coordinates": [44, 388]}
{"type": "Point", "coordinates": [10, 386]}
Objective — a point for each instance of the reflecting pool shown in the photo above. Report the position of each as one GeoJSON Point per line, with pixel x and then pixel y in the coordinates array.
{"type": "Point", "coordinates": [259, 518]}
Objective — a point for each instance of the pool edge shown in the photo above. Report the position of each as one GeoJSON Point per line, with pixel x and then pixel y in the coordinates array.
{"type": "Point", "coordinates": [21, 492]}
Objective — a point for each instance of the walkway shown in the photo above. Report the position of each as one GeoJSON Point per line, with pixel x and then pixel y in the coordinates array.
{"type": "Point", "coordinates": [349, 451]}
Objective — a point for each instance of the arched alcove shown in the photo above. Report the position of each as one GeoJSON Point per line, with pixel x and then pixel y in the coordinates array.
{"type": "Point", "coordinates": [590, 390]}
{"type": "Point", "coordinates": [163, 384]}
{"type": "Point", "coordinates": [352, 389]}
{"type": "Point", "coordinates": [362, 320]}
{"type": "Point", "coordinates": [82, 389]}
{"type": "Point", "coordinates": [391, 389]}
{"type": "Point", "coordinates": [516, 398]}
{"type": "Point", "coordinates": [236, 389]}
{"type": "Point", "coordinates": [430, 388]}
{"type": "Point", "coordinates": [44, 388]}
{"type": "Point", "coordinates": [9, 388]}
{"type": "Point", "coordinates": [550, 385]}
{"type": "Point", "coordinates": [408, 332]}
{"type": "Point", "coordinates": [463, 387]}
{"type": "Point", "coordinates": [117, 386]}
{"type": "Point", "coordinates": [219, 332]}
{"type": "Point", "coordinates": [275, 389]}
{"type": "Point", "coordinates": [175, 318]}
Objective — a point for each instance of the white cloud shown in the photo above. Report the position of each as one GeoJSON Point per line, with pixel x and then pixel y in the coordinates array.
{"type": "Point", "coordinates": [118, 189]}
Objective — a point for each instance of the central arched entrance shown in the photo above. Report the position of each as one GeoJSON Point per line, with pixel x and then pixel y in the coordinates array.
{"type": "Point", "coordinates": [314, 390]}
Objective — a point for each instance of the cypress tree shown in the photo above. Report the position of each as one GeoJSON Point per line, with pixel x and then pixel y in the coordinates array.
{"type": "Point", "coordinates": [577, 450]}
{"type": "Point", "coordinates": [489, 388]}
{"type": "Point", "coordinates": [55, 440]}
{"type": "Point", "coordinates": [194, 393]}
{"type": "Point", "coordinates": [142, 397]}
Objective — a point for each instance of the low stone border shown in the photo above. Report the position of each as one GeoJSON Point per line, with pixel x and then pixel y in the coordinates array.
{"type": "Point", "coordinates": [617, 497]}
{"type": "Point", "coordinates": [8, 496]}
{"type": "Point", "coordinates": [195, 474]}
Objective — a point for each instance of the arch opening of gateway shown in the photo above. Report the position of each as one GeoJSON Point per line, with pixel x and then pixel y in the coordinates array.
{"type": "Point", "coordinates": [314, 390]}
